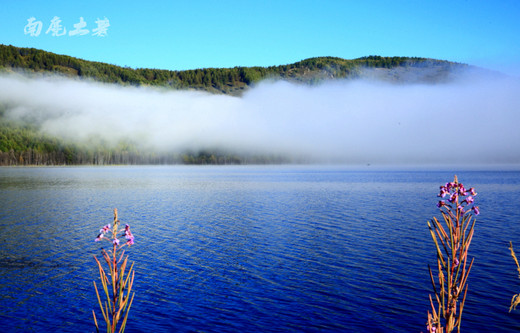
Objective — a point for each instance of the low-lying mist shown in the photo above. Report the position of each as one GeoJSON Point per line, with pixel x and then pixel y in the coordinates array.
{"type": "Point", "coordinates": [471, 121]}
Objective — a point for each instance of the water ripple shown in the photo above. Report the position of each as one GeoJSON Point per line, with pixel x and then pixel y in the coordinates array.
{"type": "Point", "coordinates": [245, 249]}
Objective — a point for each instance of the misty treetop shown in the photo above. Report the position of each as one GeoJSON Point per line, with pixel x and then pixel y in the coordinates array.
{"type": "Point", "coordinates": [24, 144]}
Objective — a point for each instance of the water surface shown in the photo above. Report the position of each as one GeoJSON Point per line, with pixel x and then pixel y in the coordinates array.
{"type": "Point", "coordinates": [249, 248]}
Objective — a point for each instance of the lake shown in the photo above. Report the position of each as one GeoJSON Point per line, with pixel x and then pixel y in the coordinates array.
{"type": "Point", "coordinates": [249, 248]}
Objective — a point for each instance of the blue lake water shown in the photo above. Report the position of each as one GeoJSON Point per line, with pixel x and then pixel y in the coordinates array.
{"type": "Point", "coordinates": [249, 248]}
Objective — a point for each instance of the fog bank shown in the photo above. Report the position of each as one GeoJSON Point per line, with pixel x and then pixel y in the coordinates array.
{"type": "Point", "coordinates": [471, 121]}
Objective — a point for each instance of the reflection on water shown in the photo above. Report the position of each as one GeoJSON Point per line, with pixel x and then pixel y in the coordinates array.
{"type": "Point", "coordinates": [244, 249]}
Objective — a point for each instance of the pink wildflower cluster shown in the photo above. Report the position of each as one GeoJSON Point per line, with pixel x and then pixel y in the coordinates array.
{"type": "Point", "coordinates": [106, 229]}
{"type": "Point", "coordinates": [458, 197]}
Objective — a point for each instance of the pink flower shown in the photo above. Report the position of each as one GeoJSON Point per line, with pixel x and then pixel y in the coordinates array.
{"type": "Point", "coordinates": [472, 191]}
{"type": "Point", "coordinates": [462, 190]}
{"type": "Point", "coordinates": [469, 200]}
{"type": "Point", "coordinates": [476, 210]}
{"type": "Point", "coordinates": [99, 237]}
{"type": "Point", "coordinates": [454, 197]}
{"type": "Point", "coordinates": [130, 241]}
{"type": "Point", "coordinates": [443, 192]}
{"type": "Point", "coordinates": [105, 229]}
{"type": "Point", "coordinates": [128, 233]}
{"type": "Point", "coordinates": [115, 241]}
{"type": "Point", "coordinates": [455, 263]}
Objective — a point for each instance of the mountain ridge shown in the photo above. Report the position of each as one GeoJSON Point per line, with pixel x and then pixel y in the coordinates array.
{"type": "Point", "coordinates": [236, 80]}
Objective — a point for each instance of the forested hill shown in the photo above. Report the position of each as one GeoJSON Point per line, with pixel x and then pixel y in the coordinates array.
{"type": "Point", "coordinates": [232, 80]}
{"type": "Point", "coordinates": [23, 143]}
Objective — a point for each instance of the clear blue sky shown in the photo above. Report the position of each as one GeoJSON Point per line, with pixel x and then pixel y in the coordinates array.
{"type": "Point", "coordinates": [180, 35]}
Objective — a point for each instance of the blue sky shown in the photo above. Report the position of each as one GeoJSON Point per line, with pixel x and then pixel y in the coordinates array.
{"type": "Point", "coordinates": [180, 35]}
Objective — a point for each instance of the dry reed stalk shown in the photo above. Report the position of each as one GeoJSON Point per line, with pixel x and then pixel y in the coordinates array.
{"type": "Point", "coordinates": [516, 298]}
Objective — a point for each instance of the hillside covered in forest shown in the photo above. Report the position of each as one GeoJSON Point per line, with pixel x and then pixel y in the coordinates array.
{"type": "Point", "coordinates": [232, 80]}
{"type": "Point", "coordinates": [25, 144]}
